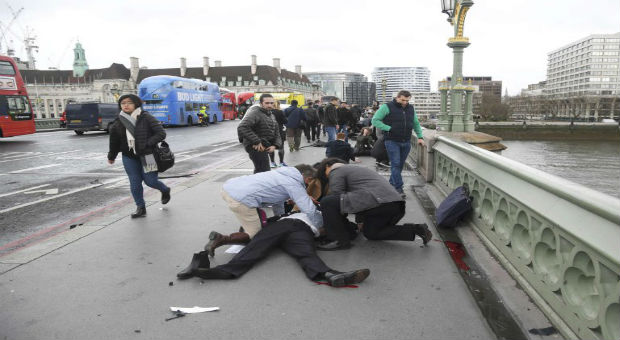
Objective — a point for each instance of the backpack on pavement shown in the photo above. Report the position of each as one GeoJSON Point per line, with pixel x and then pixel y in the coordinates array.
{"type": "Point", "coordinates": [453, 208]}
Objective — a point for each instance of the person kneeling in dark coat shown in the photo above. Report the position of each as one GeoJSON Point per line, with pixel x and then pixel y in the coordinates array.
{"type": "Point", "coordinates": [340, 149]}
{"type": "Point", "coordinates": [365, 142]}
{"type": "Point", "coordinates": [361, 191]}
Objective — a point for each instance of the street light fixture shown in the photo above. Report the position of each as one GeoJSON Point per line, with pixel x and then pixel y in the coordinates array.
{"type": "Point", "coordinates": [459, 119]}
{"type": "Point", "coordinates": [447, 6]}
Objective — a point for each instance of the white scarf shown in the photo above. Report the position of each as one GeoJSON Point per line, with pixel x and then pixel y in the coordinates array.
{"type": "Point", "coordinates": [131, 140]}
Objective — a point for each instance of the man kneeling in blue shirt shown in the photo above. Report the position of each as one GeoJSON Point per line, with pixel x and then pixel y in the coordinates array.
{"type": "Point", "coordinates": [245, 196]}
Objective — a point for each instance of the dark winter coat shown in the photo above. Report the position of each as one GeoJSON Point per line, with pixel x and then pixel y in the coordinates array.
{"type": "Point", "coordinates": [360, 188]}
{"type": "Point", "coordinates": [295, 116]}
{"type": "Point", "coordinates": [344, 116]}
{"type": "Point", "coordinates": [340, 149]}
{"type": "Point", "coordinates": [281, 119]}
{"type": "Point", "coordinates": [259, 126]}
{"type": "Point", "coordinates": [321, 112]}
{"type": "Point", "coordinates": [148, 133]}
{"type": "Point", "coordinates": [356, 111]}
{"type": "Point", "coordinates": [312, 117]}
{"type": "Point", "coordinates": [364, 145]}
{"type": "Point", "coordinates": [331, 116]}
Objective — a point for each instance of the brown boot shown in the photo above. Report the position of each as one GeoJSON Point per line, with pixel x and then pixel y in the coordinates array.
{"type": "Point", "coordinates": [216, 240]}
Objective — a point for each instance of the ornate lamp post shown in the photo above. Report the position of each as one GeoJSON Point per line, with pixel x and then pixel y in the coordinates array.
{"type": "Point", "coordinates": [457, 120]}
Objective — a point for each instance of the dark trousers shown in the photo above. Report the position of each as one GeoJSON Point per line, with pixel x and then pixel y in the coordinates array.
{"type": "Point", "coordinates": [294, 237]}
{"type": "Point", "coordinates": [337, 226]}
{"type": "Point", "coordinates": [272, 156]}
{"type": "Point", "coordinates": [259, 158]}
{"type": "Point", "coordinates": [380, 223]}
{"type": "Point", "coordinates": [312, 131]}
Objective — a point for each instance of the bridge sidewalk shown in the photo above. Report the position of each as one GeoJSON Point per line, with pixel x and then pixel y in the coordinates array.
{"type": "Point", "coordinates": [117, 280]}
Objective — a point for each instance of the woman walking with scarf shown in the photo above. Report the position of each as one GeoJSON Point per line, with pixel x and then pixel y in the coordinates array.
{"type": "Point", "coordinates": [134, 134]}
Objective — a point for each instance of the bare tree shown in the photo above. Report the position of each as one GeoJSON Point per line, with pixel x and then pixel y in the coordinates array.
{"type": "Point", "coordinates": [492, 109]}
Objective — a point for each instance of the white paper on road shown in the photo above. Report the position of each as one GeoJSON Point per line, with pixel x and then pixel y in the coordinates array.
{"type": "Point", "coordinates": [234, 249]}
{"type": "Point", "coordinates": [195, 309]}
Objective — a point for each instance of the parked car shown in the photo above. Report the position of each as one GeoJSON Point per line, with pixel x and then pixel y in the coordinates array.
{"type": "Point", "coordinates": [82, 117]}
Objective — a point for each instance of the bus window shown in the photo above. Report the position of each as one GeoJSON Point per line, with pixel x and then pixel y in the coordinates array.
{"type": "Point", "coordinates": [188, 107]}
{"type": "Point", "coordinates": [196, 107]}
{"type": "Point", "coordinates": [19, 103]}
{"type": "Point", "coordinates": [6, 68]}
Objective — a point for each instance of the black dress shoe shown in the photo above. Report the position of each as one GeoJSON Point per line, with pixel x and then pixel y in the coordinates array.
{"type": "Point", "coordinates": [165, 196]}
{"type": "Point", "coordinates": [422, 231]}
{"type": "Point", "coordinates": [199, 260]}
{"type": "Point", "coordinates": [332, 245]}
{"type": "Point", "coordinates": [339, 279]}
{"type": "Point", "coordinates": [140, 212]}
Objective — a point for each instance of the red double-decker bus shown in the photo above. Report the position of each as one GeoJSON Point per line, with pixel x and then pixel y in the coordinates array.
{"type": "Point", "coordinates": [16, 116]}
{"type": "Point", "coordinates": [228, 105]}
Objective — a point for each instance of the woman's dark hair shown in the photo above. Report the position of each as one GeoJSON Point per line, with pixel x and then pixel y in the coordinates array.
{"type": "Point", "coordinates": [320, 173]}
{"type": "Point", "coordinates": [135, 99]}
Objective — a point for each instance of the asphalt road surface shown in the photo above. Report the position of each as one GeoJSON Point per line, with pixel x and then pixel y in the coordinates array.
{"type": "Point", "coordinates": [51, 178]}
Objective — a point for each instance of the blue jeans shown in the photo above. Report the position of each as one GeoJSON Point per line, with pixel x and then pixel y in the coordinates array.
{"type": "Point", "coordinates": [397, 152]}
{"type": "Point", "coordinates": [331, 133]}
{"type": "Point", "coordinates": [136, 174]}
{"type": "Point", "coordinates": [343, 128]}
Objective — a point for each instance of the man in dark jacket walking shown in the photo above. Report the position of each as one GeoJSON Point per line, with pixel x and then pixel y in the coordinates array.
{"type": "Point", "coordinates": [259, 133]}
{"type": "Point", "coordinates": [296, 121]}
{"type": "Point", "coordinates": [312, 123]}
{"type": "Point", "coordinates": [344, 120]}
{"type": "Point", "coordinates": [397, 119]}
{"type": "Point", "coordinates": [320, 111]}
{"type": "Point", "coordinates": [331, 119]}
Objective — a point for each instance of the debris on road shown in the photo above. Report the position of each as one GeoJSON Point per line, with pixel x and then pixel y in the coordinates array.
{"type": "Point", "coordinates": [195, 309]}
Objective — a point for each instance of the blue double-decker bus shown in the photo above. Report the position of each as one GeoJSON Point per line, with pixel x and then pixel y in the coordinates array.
{"type": "Point", "coordinates": [177, 101]}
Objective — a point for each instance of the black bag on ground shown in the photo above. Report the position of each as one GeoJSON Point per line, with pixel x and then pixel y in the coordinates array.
{"type": "Point", "coordinates": [453, 208]}
{"type": "Point", "coordinates": [163, 156]}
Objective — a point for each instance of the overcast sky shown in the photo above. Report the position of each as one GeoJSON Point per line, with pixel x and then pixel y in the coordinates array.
{"type": "Point", "coordinates": [509, 39]}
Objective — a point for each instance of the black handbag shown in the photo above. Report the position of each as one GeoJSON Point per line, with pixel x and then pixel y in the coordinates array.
{"type": "Point", "coordinates": [163, 156]}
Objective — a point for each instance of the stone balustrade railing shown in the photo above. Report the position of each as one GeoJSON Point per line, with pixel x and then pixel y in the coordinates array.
{"type": "Point", "coordinates": [560, 240]}
{"type": "Point", "coordinates": [41, 124]}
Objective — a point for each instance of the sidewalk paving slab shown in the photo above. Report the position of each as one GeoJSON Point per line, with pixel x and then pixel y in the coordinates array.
{"type": "Point", "coordinates": [115, 283]}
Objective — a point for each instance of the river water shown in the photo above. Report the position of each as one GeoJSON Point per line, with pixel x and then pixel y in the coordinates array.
{"type": "Point", "coordinates": [594, 164]}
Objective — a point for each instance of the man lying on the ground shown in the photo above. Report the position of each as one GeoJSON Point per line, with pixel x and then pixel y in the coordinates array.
{"type": "Point", "coordinates": [246, 194]}
{"type": "Point", "coordinates": [293, 234]}
{"type": "Point", "coordinates": [358, 190]}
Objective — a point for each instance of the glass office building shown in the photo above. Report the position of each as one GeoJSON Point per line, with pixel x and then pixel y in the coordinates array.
{"type": "Point", "coordinates": [335, 83]}
{"type": "Point", "coordinates": [412, 79]}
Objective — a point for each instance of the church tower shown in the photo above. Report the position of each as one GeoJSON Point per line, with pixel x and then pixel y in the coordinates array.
{"type": "Point", "coordinates": [80, 66]}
